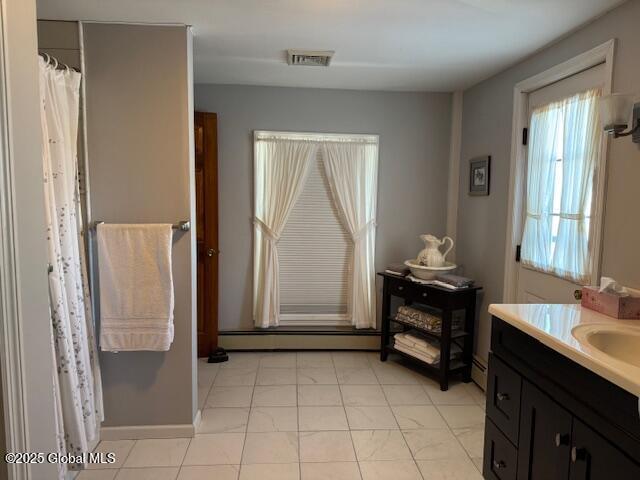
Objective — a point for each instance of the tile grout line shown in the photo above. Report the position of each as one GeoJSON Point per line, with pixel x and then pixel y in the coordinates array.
{"type": "Point", "coordinates": [298, 422]}
{"type": "Point", "coordinates": [455, 436]}
{"type": "Point", "coordinates": [353, 445]}
{"type": "Point", "coordinates": [125, 459]}
{"type": "Point", "coordinates": [204, 406]}
{"type": "Point", "coordinates": [415, 464]}
{"type": "Point", "coordinates": [246, 431]}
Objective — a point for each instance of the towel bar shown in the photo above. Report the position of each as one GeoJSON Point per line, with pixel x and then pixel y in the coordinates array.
{"type": "Point", "coordinates": [184, 225]}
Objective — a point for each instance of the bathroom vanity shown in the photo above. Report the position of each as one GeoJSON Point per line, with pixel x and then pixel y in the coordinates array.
{"type": "Point", "coordinates": [562, 395]}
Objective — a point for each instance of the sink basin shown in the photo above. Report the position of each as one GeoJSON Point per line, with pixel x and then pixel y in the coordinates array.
{"type": "Point", "coordinates": [616, 341]}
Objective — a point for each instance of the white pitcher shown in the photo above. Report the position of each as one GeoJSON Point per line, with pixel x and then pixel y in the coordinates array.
{"type": "Point", "coordinates": [431, 256]}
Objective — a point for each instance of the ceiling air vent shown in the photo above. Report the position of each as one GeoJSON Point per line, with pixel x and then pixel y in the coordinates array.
{"type": "Point", "coordinates": [309, 57]}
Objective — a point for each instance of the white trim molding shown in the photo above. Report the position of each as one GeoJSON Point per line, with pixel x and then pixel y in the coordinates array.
{"type": "Point", "coordinates": [13, 395]}
{"type": "Point", "coordinates": [315, 137]}
{"type": "Point", "coordinates": [26, 353]}
{"type": "Point", "coordinates": [454, 167]}
{"type": "Point", "coordinates": [479, 372]}
{"type": "Point", "coordinates": [142, 432]}
{"type": "Point", "coordinates": [602, 54]}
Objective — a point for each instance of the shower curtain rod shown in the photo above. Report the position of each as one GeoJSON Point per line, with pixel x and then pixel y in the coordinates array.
{"type": "Point", "coordinates": [55, 63]}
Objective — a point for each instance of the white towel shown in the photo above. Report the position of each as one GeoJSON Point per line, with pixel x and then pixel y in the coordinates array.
{"type": "Point", "coordinates": [427, 350]}
{"type": "Point", "coordinates": [136, 287]}
{"type": "Point", "coordinates": [418, 344]}
{"type": "Point", "coordinates": [414, 353]}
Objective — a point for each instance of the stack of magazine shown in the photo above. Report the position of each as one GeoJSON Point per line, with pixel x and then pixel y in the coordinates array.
{"type": "Point", "coordinates": [399, 269]}
{"type": "Point", "coordinates": [447, 280]}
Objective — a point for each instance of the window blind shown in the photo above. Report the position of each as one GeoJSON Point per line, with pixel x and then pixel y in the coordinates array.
{"type": "Point", "coordinates": [315, 252]}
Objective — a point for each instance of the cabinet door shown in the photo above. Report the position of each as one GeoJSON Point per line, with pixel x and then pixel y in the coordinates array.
{"type": "Point", "coordinates": [594, 458]}
{"type": "Point", "coordinates": [500, 456]}
{"type": "Point", "coordinates": [503, 397]}
{"type": "Point", "coordinates": [545, 437]}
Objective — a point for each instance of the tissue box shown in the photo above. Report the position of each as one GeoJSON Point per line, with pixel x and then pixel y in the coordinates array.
{"type": "Point", "coordinates": [613, 305]}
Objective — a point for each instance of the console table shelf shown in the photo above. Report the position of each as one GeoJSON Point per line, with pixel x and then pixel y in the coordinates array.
{"type": "Point", "coordinates": [447, 301]}
{"type": "Point", "coordinates": [437, 335]}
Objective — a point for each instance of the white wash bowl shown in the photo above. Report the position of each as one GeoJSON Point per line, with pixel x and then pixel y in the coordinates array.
{"type": "Point", "coordinates": [428, 273]}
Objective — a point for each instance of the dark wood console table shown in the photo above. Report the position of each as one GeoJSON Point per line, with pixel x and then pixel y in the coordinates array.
{"type": "Point", "coordinates": [445, 300]}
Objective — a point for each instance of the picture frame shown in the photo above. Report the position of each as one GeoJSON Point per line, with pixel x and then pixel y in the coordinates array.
{"type": "Point", "coordinates": [480, 175]}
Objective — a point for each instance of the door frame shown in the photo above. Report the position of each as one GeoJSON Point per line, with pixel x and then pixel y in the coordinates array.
{"type": "Point", "coordinates": [26, 355]}
{"type": "Point", "coordinates": [11, 346]}
{"type": "Point", "coordinates": [602, 54]}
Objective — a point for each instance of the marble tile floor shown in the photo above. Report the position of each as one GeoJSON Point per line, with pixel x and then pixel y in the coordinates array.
{"type": "Point", "coordinates": [315, 416]}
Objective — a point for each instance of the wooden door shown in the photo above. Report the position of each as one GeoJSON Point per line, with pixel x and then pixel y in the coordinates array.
{"type": "Point", "coordinates": [594, 458]}
{"type": "Point", "coordinates": [206, 165]}
{"type": "Point", "coordinates": [545, 437]}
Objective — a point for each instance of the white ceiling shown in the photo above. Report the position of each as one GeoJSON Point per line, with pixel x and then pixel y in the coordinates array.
{"type": "Point", "coordinates": [436, 45]}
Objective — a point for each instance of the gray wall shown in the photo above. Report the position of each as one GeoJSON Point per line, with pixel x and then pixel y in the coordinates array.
{"type": "Point", "coordinates": [487, 131]}
{"type": "Point", "coordinates": [61, 40]}
{"type": "Point", "coordinates": [140, 166]}
{"type": "Point", "coordinates": [414, 149]}
{"type": "Point", "coordinates": [26, 212]}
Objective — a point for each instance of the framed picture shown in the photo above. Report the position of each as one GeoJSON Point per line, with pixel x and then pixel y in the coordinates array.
{"type": "Point", "coordinates": [479, 175]}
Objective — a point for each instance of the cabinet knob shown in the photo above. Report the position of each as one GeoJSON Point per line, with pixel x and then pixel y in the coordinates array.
{"type": "Point", "coordinates": [400, 288]}
{"type": "Point", "coordinates": [561, 439]}
{"type": "Point", "coordinates": [502, 396]}
{"type": "Point", "coordinates": [424, 294]}
{"type": "Point", "coordinates": [499, 464]}
{"type": "Point", "coordinates": [211, 252]}
{"type": "Point", "coordinates": [578, 454]}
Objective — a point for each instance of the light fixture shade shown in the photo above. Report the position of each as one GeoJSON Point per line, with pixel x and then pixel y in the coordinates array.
{"type": "Point", "coordinates": [615, 109]}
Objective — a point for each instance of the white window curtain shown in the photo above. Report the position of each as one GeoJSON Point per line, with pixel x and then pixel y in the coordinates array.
{"type": "Point", "coordinates": [563, 157]}
{"type": "Point", "coordinates": [541, 168]}
{"type": "Point", "coordinates": [77, 382]}
{"type": "Point", "coordinates": [282, 163]}
{"type": "Point", "coordinates": [281, 168]}
{"type": "Point", "coordinates": [352, 171]}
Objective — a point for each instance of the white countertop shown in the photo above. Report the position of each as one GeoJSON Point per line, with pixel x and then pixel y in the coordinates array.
{"type": "Point", "coordinates": [552, 325]}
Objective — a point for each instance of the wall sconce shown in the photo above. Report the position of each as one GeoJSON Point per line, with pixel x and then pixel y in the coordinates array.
{"type": "Point", "coordinates": [615, 111]}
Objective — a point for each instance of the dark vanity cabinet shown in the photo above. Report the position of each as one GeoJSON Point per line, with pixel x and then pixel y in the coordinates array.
{"type": "Point", "coordinates": [544, 446]}
{"type": "Point", "coordinates": [549, 418]}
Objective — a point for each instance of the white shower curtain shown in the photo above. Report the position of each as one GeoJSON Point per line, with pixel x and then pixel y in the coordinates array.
{"type": "Point", "coordinates": [78, 383]}
{"type": "Point", "coordinates": [352, 171]}
{"type": "Point", "coordinates": [281, 169]}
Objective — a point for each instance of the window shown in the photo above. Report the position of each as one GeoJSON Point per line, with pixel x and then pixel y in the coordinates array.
{"type": "Point", "coordinates": [315, 257]}
{"type": "Point", "coordinates": [562, 159]}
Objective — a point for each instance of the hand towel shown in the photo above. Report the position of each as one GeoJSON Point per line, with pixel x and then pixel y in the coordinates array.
{"type": "Point", "coordinates": [426, 349]}
{"type": "Point", "coordinates": [416, 344]}
{"type": "Point", "coordinates": [136, 287]}
{"type": "Point", "coordinates": [414, 353]}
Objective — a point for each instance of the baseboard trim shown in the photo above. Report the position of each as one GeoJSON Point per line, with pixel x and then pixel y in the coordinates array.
{"type": "Point", "coordinates": [197, 420]}
{"type": "Point", "coordinates": [479, 372]}
{"type": "Point", "coordinates": [276, 341]}
{"type": "Point", "coordinates": [142, 432]}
